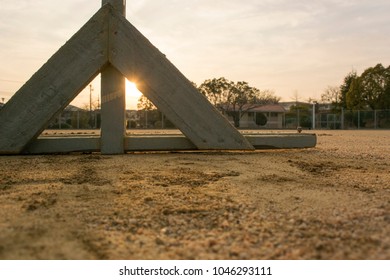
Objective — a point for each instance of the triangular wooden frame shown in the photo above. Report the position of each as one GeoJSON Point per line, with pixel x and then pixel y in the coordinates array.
{"type": "Point", "coordinates": [109, 40]}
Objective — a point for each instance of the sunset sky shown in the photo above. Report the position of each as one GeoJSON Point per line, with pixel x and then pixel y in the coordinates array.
{"type": "Point", "coordinates": [291, 47]}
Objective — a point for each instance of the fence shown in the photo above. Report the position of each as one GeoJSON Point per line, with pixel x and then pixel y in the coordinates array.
{"type": "Point", "coordinates": [82, 119]}
{"type": "Point", "coordinates": [77, 120]}
{"type": "Point", "coordinates": [342, 119]}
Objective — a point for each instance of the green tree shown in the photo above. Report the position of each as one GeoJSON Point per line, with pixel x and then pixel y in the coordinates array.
{"type": "Point", "coordinates": [145, 104]}
{"type": "Point", "coordinates": [235, 98]}
{"type": "Point", "coordinates": [217, 91]}
{"type": "Point", "coordinates": [301, 113]}
{"type": "Point", "coordinates": [371, 89]}
{"type": "Point", "coordinates": [344, 88]}
{"type": "Point", "coordinates": [375, 82]}
{"type": "Point", "coordinates": [150, 116]}
{"type": "Point", "coordinates": [354, 98]}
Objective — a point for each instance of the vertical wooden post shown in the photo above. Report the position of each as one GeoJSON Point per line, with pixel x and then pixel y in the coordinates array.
{"type": "Point", "coordinates": [119, 5]}
{"type": "Point", "coordinates": [113, 107]}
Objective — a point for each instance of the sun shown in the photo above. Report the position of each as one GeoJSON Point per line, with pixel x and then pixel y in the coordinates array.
{"type": "Point", "coordinates": [132, 95]}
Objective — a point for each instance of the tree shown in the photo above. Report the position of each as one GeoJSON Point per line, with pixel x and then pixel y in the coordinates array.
{"type": "Point", "coordinates": [371, 89]}
{"type": "Point", "coordinates": [375, 82]}
{"type": "Point", "coordinates": [344, 88]}
{"type": "Point", "coordinates": [217, 91]}
{"type": "Point", "coordinates": [354, 98]}
{"type": "Point", "coordinates": [235, 99]}
{"type": "Point", "coordinates": [331, 95]}
{"type": "Point", "coordinates": [302, 113]}
{"type": "Point", "coordinates": [145, 104]}
{"type": "Point", "coordinates": [150, 116]}
{"type": "Point", "coordinates": [93, 114]}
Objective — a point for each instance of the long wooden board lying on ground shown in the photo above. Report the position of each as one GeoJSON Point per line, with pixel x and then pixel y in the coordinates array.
{"type": "Point", "coordinates": [49, 145]}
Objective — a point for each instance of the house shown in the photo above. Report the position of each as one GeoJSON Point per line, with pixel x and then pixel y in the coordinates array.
{"type": "Point", "coordinates": [258, 116]}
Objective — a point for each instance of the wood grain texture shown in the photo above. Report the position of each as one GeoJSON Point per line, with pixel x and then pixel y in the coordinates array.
{"type": "Point", "coordinates": [52, 145]}
{"type": "Point", "coordinates": [113, 95]}
{"type": "Point", "coordinates": [113, 129]}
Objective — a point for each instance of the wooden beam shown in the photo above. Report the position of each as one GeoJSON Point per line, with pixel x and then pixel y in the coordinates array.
{"type": "Point", "coordinates": [53, 145]}
{"type": "Point", "coordinates": [113, 93]}
{"type": "Point", "coordinates": [49, 145]}
{"type": "Point", "coordinates": [158, 143]}
{"type": "Point", "coordinates": [119, 5]}
{"type": "Point", "coordinates": [55, 85]}
{"type": "Point", "coordinates": [160, 81]}
{"type": "Point", "coordinates": [282, 141]}
{"type": "Point", "coordinates": [113, 129]}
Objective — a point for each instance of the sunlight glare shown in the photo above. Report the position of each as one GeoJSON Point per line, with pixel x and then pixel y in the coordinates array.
{"type": "Point", "coordinates": [132, 95]}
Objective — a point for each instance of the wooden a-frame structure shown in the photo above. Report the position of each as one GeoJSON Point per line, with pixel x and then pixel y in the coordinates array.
{"type": "Point", "coordinates": [110, 45]}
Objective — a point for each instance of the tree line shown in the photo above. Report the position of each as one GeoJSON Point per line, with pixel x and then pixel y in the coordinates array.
{"type": "Point", "coordinates": [229, 97]}
{"type": "Point", "coordinates": [370, 90]}
{"type": "Point", "coordinates": [235, 98]}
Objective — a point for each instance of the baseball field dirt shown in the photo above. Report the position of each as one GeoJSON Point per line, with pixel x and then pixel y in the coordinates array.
{"type": "Point", "coordinates": [327, 202]}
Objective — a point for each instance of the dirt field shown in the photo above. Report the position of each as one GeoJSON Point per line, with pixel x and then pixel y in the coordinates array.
{"type": "Point", "coordinates": [330, 202]}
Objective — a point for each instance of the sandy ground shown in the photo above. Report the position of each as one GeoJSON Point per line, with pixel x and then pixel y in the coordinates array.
{"type": "Point", "coordinates": [330, 202]}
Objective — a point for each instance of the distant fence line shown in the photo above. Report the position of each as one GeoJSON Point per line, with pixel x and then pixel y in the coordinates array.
{"type": "Point", "coordinates": [82, 119]}
{"type": "Point", "coordinates": [343, 119]}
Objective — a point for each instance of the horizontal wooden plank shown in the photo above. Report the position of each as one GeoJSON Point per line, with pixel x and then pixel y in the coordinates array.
{"type": "Point", "coordinates": [54, 145]}
{"type": "Point", "coordinates": [282, 141]}
{"type": "Point", "coordinates": [50, 145]}
{"type": "Point", "coordinates": [158, 143]}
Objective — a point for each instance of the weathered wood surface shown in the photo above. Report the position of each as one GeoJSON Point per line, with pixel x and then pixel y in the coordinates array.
{"type": "Point", "coordinates": [158, 143]}
{"type": "Point", "coordinates": [55, 85]}
{"type": "Point", "coordinates": [113, 128]}
{"type": "Point", "coordinates": [47, 145]}
{"type": "Point", "coordinates": [119, 5]}
{"type": "Point", "coordinates": [160, 81]}
{"type": "Point", "coordinates": [282, 141]}
{"type": "Point", "coordinates": [53, 145]}
{"type": "Point", "coordinates": [113, 93]}
{"type": "Point", "coordinates": [109, 43]}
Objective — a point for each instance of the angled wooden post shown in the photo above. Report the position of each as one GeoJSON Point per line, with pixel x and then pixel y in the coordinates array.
{"type": "Point", "coordinates": [172, 93]}
{"type": "Point", "coordinates": [54, 85]}
{"type": "Point", "coordinates": [113, 92]}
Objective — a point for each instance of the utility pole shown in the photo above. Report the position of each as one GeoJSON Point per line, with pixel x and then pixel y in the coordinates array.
{"type": "Point", "coordinates": [98, 104]}
{"type": "Point", "coordinates": [90, 106]}
{"type": "Point", "coordinates": [314, 115]}
{"type": "Point", "coordinates": [90, 98]}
